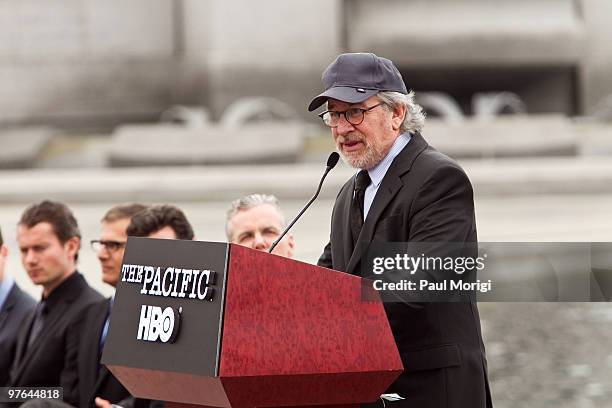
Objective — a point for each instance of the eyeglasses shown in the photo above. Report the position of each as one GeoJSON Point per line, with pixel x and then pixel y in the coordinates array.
{"type": "Point", "coordinates": [110, 246]}
{"type": "Point", "coordinates": [354, 116]}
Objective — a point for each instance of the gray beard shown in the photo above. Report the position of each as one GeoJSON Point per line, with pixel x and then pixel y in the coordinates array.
{"type": "Point", "coordinates": [365, 162]}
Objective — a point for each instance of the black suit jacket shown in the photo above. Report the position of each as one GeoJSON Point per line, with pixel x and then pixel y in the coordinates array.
{"type": "Point", "coordinates": [51, 360]}
{"type": "Point", "coordinates": [94, 379]}
{"type": "Point", "coordinates": [424, 197]}
{"type": "Point", "coordinates": [15, 308]}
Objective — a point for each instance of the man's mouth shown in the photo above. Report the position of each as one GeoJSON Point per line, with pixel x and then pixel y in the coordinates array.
{"type": "Point", "coordinates": [352, 145]}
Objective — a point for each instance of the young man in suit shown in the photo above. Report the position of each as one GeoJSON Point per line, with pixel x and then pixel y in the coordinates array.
{"type": "Point", "coordinates": [14, 307]}
{"type": "Point", "coordinates": [256, 221]}
{"type": "Point", "coordinates": [405, 191]}
{"type": "Point", "coordinates": [49, 241]}
{"type": "Point", "coordinates": [95, 380]}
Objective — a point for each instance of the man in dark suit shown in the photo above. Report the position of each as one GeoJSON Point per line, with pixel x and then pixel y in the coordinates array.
{"type": "Point", "coordinates": [94, 379]}
{"type": "Point", "coordinates": [98, 387]}
{"type": "Point", "coordinates": [49, 241]}
{"type": "Point", "coordinates": [14, 307]}
{"type": "Point", "coordinates": [405, 191]}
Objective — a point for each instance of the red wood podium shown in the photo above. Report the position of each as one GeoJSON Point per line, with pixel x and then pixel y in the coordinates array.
{"type": "Point", "coordinates": [289, 334]}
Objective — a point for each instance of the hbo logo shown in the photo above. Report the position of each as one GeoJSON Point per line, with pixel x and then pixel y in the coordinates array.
{"type": "Point", "coordinates": [157, 324]}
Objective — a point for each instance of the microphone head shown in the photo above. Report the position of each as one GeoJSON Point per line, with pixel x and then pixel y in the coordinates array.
{"type": "Point", "coordinates": [332, 160]}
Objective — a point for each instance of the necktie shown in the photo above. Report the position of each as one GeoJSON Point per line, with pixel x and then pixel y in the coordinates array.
{"type": "Point", "coordinates": [103, 334]}
{"type": "Point", "coordinates": [39, 320]}
{"type": "Point", "coordinates": [361, 183]}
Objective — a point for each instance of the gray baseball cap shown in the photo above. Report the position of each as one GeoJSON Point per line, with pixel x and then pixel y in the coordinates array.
{"type": "Point", "coordinates": [355, 77]}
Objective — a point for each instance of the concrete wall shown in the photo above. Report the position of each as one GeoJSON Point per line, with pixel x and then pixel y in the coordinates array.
{"type": "Point", "coordinates": [596, 68]}
{"type": "Point", "coordinates": [462, 47]}
{"type": "Point", "coordinates": [467, 32]}
{"type": "Point", "coordinates": [82, 61]}
{"type": "Point", "coordinates": [71, 60]}
{"type": "Point", "coordinates": [264, 48]}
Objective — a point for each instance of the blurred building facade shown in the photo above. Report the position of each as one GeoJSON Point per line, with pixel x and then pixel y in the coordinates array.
{"type": "Point", "coordinates": [78, 62]}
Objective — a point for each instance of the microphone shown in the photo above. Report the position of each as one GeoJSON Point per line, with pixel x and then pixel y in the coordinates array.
{"type": "Point", "coordinates": [332, 160]}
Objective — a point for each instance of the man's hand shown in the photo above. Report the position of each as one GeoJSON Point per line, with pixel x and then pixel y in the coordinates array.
{"type": "Point", "coordinates": [102, 403]}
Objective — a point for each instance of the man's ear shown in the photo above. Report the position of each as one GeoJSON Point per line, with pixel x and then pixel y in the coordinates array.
{"type": "Point", "coordinates": [4, 251]}
{"type": "Point", "coordinates": [73, 245]}
{"type": "Point", "coordinates": [397, 116]}
{"type": "Point", "coordinates": [291, 244]}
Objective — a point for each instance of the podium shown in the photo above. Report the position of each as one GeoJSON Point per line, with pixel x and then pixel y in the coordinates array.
{"type": "Point", "coordinates": [216, 324]}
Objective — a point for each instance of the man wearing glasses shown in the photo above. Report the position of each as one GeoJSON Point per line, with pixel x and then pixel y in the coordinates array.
{"type": "Point", "coordinates": [95, 380]}
{"type": "Point", "coordinates": [405, 191]}
{"type": "Point", "coordinates": [111, 245]}
{"type": "Point", "coordinates": [98, 387]}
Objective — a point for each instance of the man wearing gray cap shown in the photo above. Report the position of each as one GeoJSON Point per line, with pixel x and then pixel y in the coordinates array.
{"type": "Point", "coordinates": [405, 191]}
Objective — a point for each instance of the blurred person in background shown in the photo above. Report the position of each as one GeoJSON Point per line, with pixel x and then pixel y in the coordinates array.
{"type": "Point", "coordinates": [162, 222]}
{"type": "Point", "coordinates": [256, 221]}
{"type": "Point", "coordinates": [47, 345]}
{"type": "Point", "coordinates": [14, 307]}
{"type": "Point", "coordinates": [96, 380]}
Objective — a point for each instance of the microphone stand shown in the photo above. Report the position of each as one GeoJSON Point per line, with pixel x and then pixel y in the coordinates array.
{"type": "Point", "coordinates": [331, 163]}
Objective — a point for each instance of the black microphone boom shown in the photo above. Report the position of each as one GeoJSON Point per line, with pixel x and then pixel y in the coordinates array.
{"type": "Point", "coordinates": [332, 160]}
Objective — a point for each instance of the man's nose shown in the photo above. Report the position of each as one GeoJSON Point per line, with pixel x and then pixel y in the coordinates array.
{"type": "Point", "coordinates": [260, 243]}
{"type": "Point", "coordinates": [103, 253]}
{"type": "Point", "coordinates": [30, 257]}
{"type": "Point", "coordinates": [344, 126]}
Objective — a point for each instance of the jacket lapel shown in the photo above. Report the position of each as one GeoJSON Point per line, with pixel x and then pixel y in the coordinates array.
{"type": "Point", "coordinates": [23, 338]}
{"type": "Point", "coordinates": [387, 190]}
{"type": "Point", "coordinates": [389, 187]}
{"type": "Point", "coordinates": [52, 320]}
{"type": "Point", "coordinates": [3, 316]}
{"type": "Point", "coordinates": [347, 243]}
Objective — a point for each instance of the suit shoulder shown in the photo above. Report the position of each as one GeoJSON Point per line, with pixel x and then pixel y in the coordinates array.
{"type": "Point", "coordinates": [92, 315]}
{"type": "Point", "coordinates": [92, 296]}
{"type": "Point", "coordinates": [87, 297]}
{"type": "Point", "coordinates": [435, 160]}
{"type": "Point", "coordinates": [17, 307]}
{"type": "Point", "coordinates": [21, 298]}
{"type": "Point", "coordinates": [432, 166]}
{"type": "Point", "coordinates": [97, 307]}
{"type": "Point", "coordinates": [23, 302]}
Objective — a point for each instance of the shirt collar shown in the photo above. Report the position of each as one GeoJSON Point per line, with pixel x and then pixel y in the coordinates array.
{"type": "Point", "coordinates": [377, 173]}
{"type": "Point", "coordinates": [69, 285]}
{"type": "Point", "coordinates": [5, 287]}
